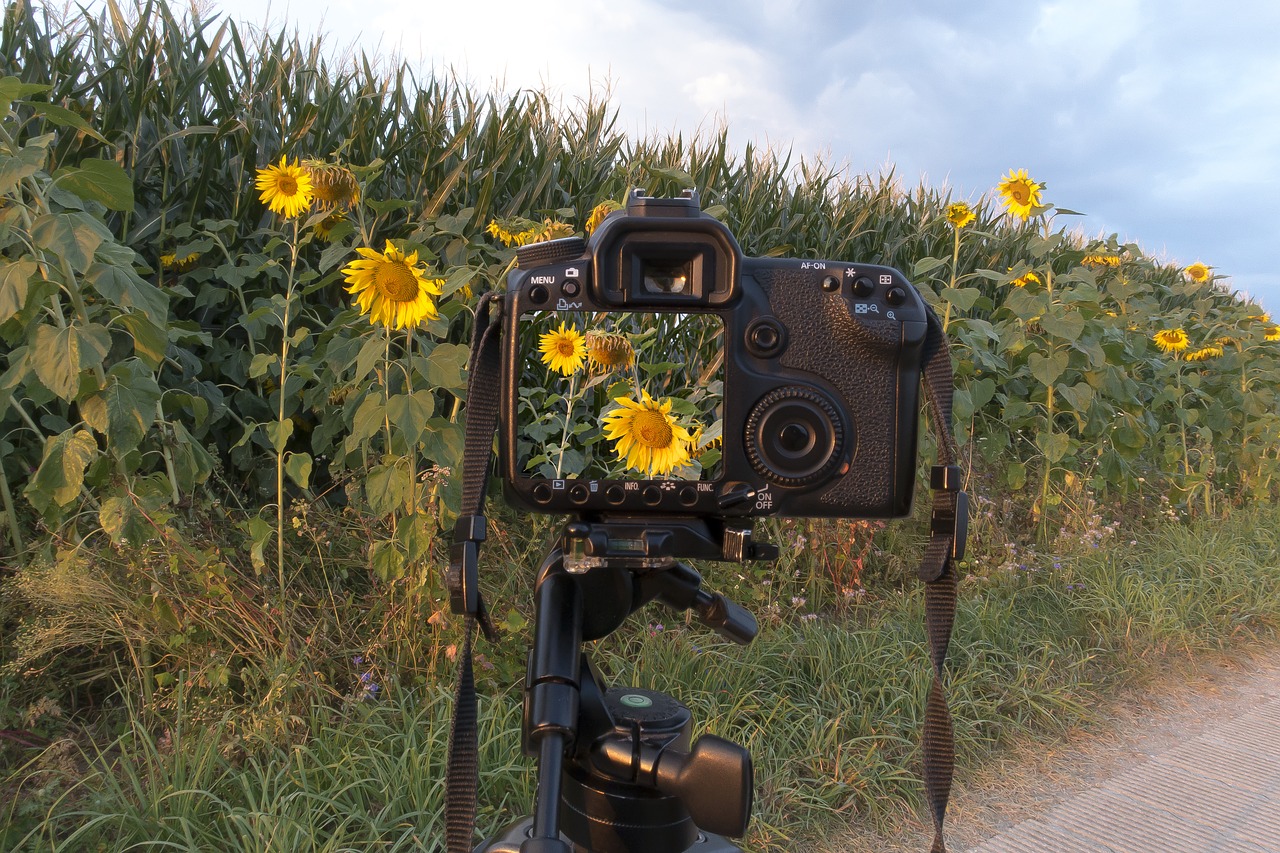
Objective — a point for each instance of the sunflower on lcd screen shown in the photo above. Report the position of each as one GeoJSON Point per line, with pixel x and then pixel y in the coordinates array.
{"type": "Point", "coordinates": [620, 396]}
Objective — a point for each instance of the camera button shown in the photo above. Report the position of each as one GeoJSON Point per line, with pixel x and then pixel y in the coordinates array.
{"type": "Point", "coordinates": [765, 338]}
{"type": "Point", "coordinates": [615, 495]}
{"type": "Point", "coordinates": [688, 496]}
{"type": "Point", "coordinates": [579, 494]}
{"type": "Point", "coordinates": [571, 288]}
{"type": "Point", "coordinates": [863, 287]}
{"type": "Point", "coordinates": [896, 296]}
{"type": "Point", "coordinates": [652, 495]}
{"type": "Point", "coordinates": [539, 294]}
{"type": "Point", "coordinates": [542, 493]}
{"type": "Point", "coordinates": [831, 284]}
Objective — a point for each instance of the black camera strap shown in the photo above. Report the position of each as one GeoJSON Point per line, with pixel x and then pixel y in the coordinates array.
{"type": "Point", "coordinates": [948, 527]}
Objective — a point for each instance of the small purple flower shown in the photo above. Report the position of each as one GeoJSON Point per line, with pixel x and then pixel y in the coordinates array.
{"type": "Point", "coordinates": [367, 677]}
{"type": "Point", "coordinates": [357, 660]}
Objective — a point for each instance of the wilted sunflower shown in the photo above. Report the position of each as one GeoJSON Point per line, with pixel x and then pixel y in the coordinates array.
{"type": "Point", "coordinates": [1020, 193]}
{"type": "Point", "coordinates": [333, 187]}
{"type": "Point", "coordinates": [171, 261]}
{"type": "Point", "coordinates": [599, 212]}
{"type": "Point", "coordinates": [1204, 353]}
{"type": "Point", "coordinates": [648, 438]}
{"type": "Point", "coordinates": [609, 351]}
{"type": "Point", "coordinates": [1101, 260]}
{"type": "Point", "coordinates": [563, 350]}
{"type": "Point", "coordinates": [960, 214]}
{"type": "Point", "coordinates": [392, 288]}
{"type": "Point", "coordinates": [1171, 340]}
{"type": "Point", "coordinates": [286, 189]}
{"type": "Point", "coordinates": [1198, 272]}
{"type": "Point", "coordinates": [1025, 279]}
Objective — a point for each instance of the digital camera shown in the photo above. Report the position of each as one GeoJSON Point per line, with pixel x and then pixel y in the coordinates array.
{"type": "Point", "coordinates": [653, 370]}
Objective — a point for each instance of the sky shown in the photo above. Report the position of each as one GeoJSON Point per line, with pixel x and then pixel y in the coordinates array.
{"type": "Point", "coordinates": [1159, 119]}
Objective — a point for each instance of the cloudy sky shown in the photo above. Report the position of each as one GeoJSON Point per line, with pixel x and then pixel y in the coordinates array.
{"type": "Point", "coordinates": [1160, 119]}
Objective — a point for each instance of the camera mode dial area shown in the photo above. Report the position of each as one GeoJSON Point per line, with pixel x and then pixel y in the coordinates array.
{"type": "Point", "coordinates": [795, 436]}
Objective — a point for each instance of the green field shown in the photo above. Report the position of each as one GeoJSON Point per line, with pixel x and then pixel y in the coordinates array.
{"type": "Point", "coordinates": [226, 490]}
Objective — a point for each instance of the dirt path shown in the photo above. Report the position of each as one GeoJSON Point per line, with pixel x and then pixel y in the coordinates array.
{"type": "Point", "coordinates": [1036, 776]}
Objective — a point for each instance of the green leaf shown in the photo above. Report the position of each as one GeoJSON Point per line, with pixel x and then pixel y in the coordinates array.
{"type": "Point", "coordinates": [64, 117]}
{"type": "Point", "coordinates": [103, 181]}
{"type": "Point", "coordinates": [191, 462]}
{"type": "Point", "coordinates": [74, 236]}
{"type": "Point", "coordinates": [1015, 474]}
{"type": "Point", "coordinates": [982, 391]}
{"type": "Point", "coordinates": [14, 278]}
{"type": "Point", "coordinates": [924, 266]}
{"type": "Point", "coordinates": [278, 432]}
{"type": "Point", "coordinates": [150, 343]}
{"type": "Point", "coordinates": [369, 418]}
{"type": "Point", "coordinates": [386, 561]}
{"type": "Point", "coordinates": [259, 530]}
{"type": "Point", "coordinates": [29, 160]}
{"type": "Point", "coordinates": [261, 363]}
{"type": "Point", "coordinates": [1054, 445]}
{"type": "Point", "coordinates": [12, 89]}
{"type": "Point", "coordinates": [1079, 396]}
{"type": "Point", "coordinates": [58, 355]}
{"type": "Point", "coordinates": [410, 414]}
{"type": "Point", "coordinates": [128, 290]}
{"type": "Point", "coordinates": [1068, 326]}
{"type": "Point", "coordinates": [446, 366]}
{"type": "Point", "coordinates": [125, 408]}
{"type": "Point", "coordinates": [298, 467]}
{"type": "Point", "coordinates": [58, 480]}
{"type": "Point", "coordinates": [373, 349]}
{"type": "Point", "coordinates": [1047, 369]}
{"type": "Point", "coordinates": [962, 297]}
{"type": "Point", "coordinates": [387, 488]}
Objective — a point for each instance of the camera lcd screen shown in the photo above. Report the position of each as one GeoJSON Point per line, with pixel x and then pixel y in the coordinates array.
{"type": "Point", "coordinates": [620, 396]}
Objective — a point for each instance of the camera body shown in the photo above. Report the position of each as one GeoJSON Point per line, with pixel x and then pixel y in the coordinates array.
{"type": "Point", "coordinates": [654, 371]}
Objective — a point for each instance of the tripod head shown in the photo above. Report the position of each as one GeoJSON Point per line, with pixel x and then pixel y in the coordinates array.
{"type": "Point", "coordinates": [618, 770]}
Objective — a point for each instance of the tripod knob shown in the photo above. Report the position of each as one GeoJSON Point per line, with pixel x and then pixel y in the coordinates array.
{"type": "Point", "coordinates": [713, 780]}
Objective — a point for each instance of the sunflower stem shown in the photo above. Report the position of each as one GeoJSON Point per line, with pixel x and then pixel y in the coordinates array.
{"type": "Point", "coordinates": [568, 413]}
{"type": "Point", "coordinates": [286, 622]}
{"type": "Point", "coordinates": [412, 447]}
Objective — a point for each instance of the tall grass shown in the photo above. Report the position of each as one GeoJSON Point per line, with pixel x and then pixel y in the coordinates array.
{"type": "Point", "coordinates": [830, 709]}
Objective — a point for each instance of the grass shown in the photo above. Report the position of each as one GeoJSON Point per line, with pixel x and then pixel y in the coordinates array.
{"type": "Point", "coordinates": [830, 708]}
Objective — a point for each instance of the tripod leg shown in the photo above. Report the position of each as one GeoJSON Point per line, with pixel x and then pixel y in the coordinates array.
{"type": "Point", "coordinates": [552, 694]}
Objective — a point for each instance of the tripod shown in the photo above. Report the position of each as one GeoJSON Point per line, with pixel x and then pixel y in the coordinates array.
{"type": "Point", "coordinates": [616, 770]}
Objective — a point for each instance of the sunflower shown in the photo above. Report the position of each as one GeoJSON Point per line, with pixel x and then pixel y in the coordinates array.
{"type": "Point", "coordinates": [324, 228]}
{"type": "Point", "coordinates": [333, 187]}
{"type": "Point", "coordinates": [563, 350]}
{"type": "Point", "coordinates": [1021, 194]}
{"type": "Point", "coordinates": [609, 351]}
{"type": "Point", "coordinates": [514, 231]}
{"type": "Point", "coordinates": [1204, 353]}
{"type": "Point", "coordinates": [392, 287]}
{"type": "Point", "coordinates": [1025, 279]}
{"type": "Point", "coordinates": [960, 214]}
{"type": "Point", "coordinates": [1273, 334]}
{"type": "Point", "coordinates": [286, 189]}
{"type": "Point", "coordinates": [1101, 260]}
{"type": "Point", "coordinates": [599, 212]}
{"type": "Point", "coordinates": [1171, 340]}
{"type": "Point", "coordinates": [171, 261]}
{"type": "Point", "coordinates": [648, 438]}
{"type": "Point", "coordinates": [1198, 272]}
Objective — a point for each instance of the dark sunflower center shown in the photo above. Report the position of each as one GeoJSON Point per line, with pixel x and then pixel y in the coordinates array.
{"type": "Point", "coordinates": [651, 429]}
{"type": "Point", "coordinates": [395, 281]}
{"type": "Point", "coordinates": [1020, 193]}
{"type": "Point", "coordinates": [288, 185]}
{"type": "Point", "coordinates": [564, 347]}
